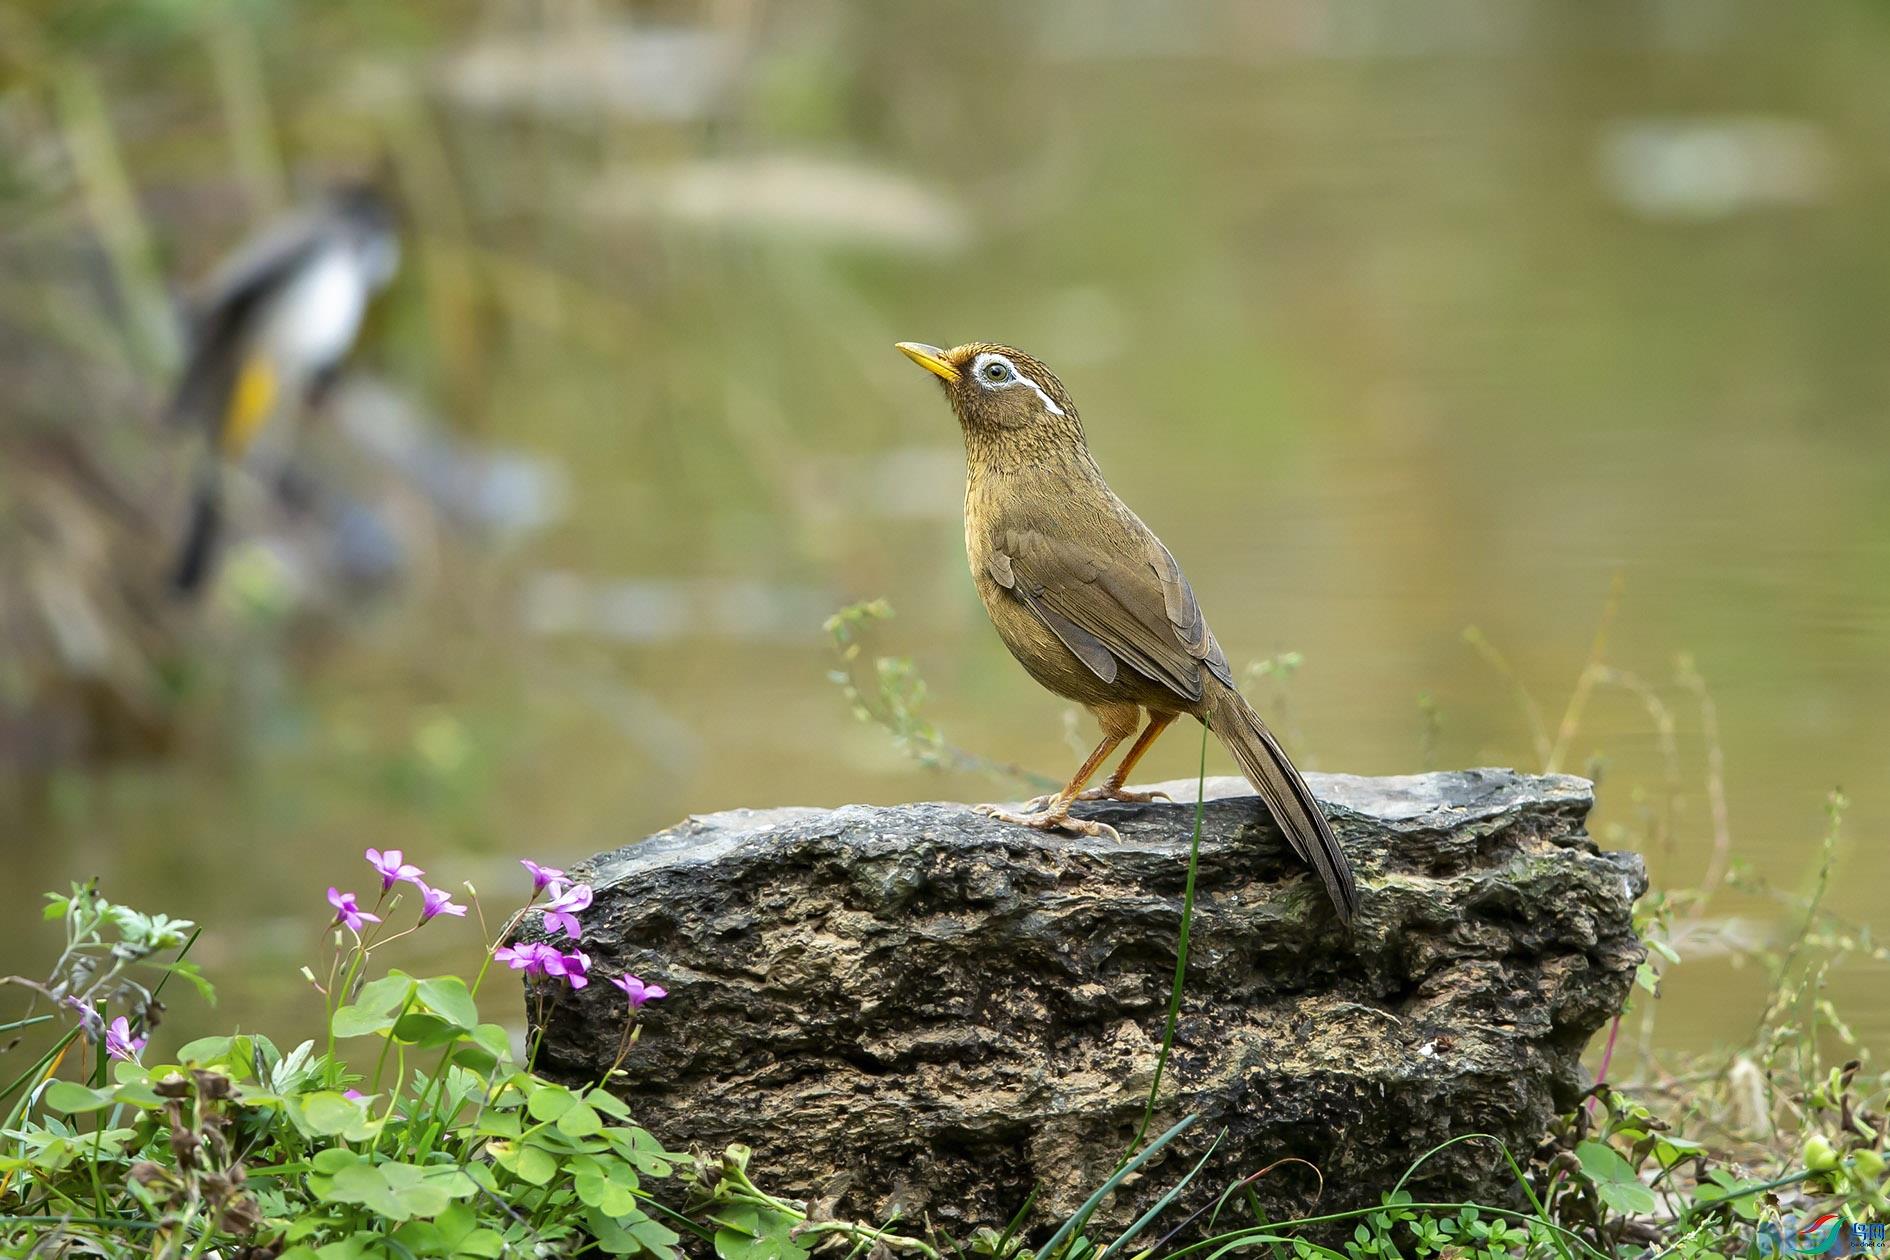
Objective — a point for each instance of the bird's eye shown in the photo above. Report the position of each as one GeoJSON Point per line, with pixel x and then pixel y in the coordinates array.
{"type": "Point", "coordinates": [995, 372]}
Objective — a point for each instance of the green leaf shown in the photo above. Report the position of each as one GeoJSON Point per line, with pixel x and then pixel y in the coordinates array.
{"type": "Point", "coordinates": [335, 1158]}
{"type": "Point", "coordinates": [499, 1124]}
{"type": "Point", "coordinates": [358, 1247]}
{"type": "Point", "coordinates": [422, 1238]}
{"type": "Point", "coordinates": [417, 1028]}
{"type": "Point", "coordinates": [192, 974]}
{"type": "Point", "coordinates": [137, 1093]}
{"type": "Point", "coordinates": [657, 1238]}
{"type": "Point", "coordinates": [548, 1102]}
{"type": "Point", "coordinates": [1670, 1150]}
{"type": "Point", "coordinates": [450, 999]}
{"type": "Point", "coordinates": [748, 1231]}
{"type": "Point", "coordinates": [602, 1100]}
{"type": "Point", "coordinates": [327, 1113]}
{"type": "Point", "coordinates": [70, 1097]}
{"type": "Point", "coordinates": [400, 1191]}
{"type": "Point", "coordinates": [617, 1201]}
{"type": "Point", "coordinates": [358, 1021]}
{"type": "Point", "coordinates": [417, 1191]}
{"type": "Point", "coordinates": [607, 1184]}
{"type": "Point", "coordinates": [373, 1010]}
{"type": "Point", "coordinates": [579, 1121]}
{"type": "Point", "coordinates": [612, 1239]}
{"type": "Point", "coordinates": [1733, 1189]}
{"type": "Point", "coordinates": [536, 1165]}
{"type": "Point", "coordinates": [481, 1244]}
{"type": "Point", "coordinates": [1614, 1178]}
{"type": "Point", "coordinates": [487, 1046]}
{"type": "Point", "coordinates": [204, 1051]}
{"type": "Point", "coordinates": [364, 1184]}
{"type": "Point", "coordinates": [641, 1149]}
{"type": "Point", "coordinates": [463, 1237]}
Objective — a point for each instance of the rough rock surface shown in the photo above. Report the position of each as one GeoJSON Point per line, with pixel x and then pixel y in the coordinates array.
{"type": "Point", "coordinates": [952, 1009]}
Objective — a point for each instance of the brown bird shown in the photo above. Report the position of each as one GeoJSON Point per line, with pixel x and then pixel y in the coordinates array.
{"type": "Point", "coordinates": [1093, 606]}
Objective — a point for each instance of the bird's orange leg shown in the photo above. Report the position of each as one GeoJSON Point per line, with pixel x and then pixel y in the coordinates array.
{"type": "Point", "coordinates": [1112, 789]}
{"type": "Point", "coordinates": [1056, 813]}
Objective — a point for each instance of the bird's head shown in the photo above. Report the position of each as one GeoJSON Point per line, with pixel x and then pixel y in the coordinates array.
{"type": "Point", "coordinates": [1001, 395]}
{"type": "Point", "coordinates": [369, 225]}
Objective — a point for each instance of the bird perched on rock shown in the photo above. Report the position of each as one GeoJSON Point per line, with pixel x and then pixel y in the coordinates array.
{"type": "Point", "coordinates": [1092, 604]}
{"type": "Point", "coordinates": [267, 336]}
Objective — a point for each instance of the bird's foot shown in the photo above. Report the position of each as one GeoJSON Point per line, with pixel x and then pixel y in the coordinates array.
{"type": "Point", "coordinates": [1053, 820]}
{"type": "Point", "coordinates": [1128, 795]}
{"type": "Point", "coordinates": [1125, 795]}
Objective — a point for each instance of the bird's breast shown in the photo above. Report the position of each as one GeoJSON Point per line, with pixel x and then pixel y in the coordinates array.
{"type": "Point", "coordinates": [317, 316]}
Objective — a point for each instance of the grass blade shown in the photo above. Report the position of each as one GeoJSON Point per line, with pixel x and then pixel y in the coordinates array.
{"type": "Point", "coordinates": [1115, 1179]}
{"type": "Point", "coordinates": [1181, 949]}
{"type": "Point", "coordinates": [1002, 1250]}
{"type": "Point", "coordinates": [1161, 1205]}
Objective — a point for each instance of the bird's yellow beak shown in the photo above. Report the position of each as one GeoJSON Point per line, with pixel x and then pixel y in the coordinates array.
{"type": "Point", "coordinates": [931, 358]}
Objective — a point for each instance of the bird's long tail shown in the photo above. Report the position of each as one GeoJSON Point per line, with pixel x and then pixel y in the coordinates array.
{"type": "Point", "coordinates": [1286, 795]}
{"type": "Point", "coordinates": [197, 556]}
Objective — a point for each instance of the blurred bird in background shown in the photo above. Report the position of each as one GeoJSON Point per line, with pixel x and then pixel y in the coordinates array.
{"type": "Point", "coordinates": [268, 338]}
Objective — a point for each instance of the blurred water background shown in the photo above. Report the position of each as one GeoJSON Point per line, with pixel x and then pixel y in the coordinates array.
{"type": "Point", "coordinates": [1393, 320]}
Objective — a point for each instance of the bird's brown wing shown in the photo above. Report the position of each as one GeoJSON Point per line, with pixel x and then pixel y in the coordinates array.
{"type": "Point", "coordinates": [1109, 609]}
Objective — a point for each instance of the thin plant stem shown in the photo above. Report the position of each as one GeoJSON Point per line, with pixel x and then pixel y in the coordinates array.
{"type": "Point", "coordinates": [380, 1063]}
{"type": "Point", "coordinates": [1585, 682]}
{"type": "Point", "coordinates": [1538, 729]}
{"type": "Point", "coordinates": [236, 63]}
{"type": "Point", "coordinates": [1720, 859]}
{"type": "Point", "coordinates": [1181, 956]}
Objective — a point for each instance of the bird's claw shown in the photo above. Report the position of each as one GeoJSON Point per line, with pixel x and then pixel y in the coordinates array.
{"type": "Point", "coordinates": [1126, 795]}
{"type": "Point", "coordinates": [1055, 821]}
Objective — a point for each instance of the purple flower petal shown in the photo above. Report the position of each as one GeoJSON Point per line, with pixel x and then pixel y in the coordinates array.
{"type": "Point", "coordinates": [638, 992]}
{"type": "Point", "coordinates": [119, 1043]}
{"type": "Point", "coordinates": [348, 911]}
{"type": "Point", "coordinates": [534, 958]}
{"type": "Point", "coordinates": [561, 911]}
{"type": "Point", "coordinates": [392, 867]}
{"type": "Point", "coordinates": [437, 901]}
{"type": "Point", "coordinates": [542, 876]}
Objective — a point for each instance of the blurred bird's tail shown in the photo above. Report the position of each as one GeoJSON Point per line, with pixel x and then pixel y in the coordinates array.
{"type": "Point", "coordinates": [1289, 800]}
{"type": "Point", "coordinates": [197, 556]}
{"type": "Point", "coordinates": [241, 406]}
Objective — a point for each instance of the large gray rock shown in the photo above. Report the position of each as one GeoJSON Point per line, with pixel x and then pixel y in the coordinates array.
{"type": "Point", "coordinates": [954, 1009]}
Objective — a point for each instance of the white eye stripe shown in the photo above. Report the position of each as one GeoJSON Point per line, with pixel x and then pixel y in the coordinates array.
{"type": "Point", "coordinates": [1016, 378]}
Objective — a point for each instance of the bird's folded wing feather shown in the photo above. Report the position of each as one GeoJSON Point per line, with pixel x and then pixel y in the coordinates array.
{"type": "Point", "coordinates": [224, 314]}
{"type": "Point", "coordinates": [1109, 609]}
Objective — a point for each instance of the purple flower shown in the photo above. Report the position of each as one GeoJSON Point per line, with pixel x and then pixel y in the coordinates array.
{"type": "Point", "coordinates": [570, 968]}
{"type": "Point", "coordinates": [561, 910]}
{"type": "Point", "coordinates": [529, 958]}
{"type": "Point", "coordinates": [392, 869]}
{"type": "Point", "coordinates": [119, 1043]}
{"type": "Point", "coordinates": [639, 992]}
{"type": "Point", "coordinates": [348, 912]}
{"type": "Point", "coordinates": [353, 1095]}
{"type": "Point", "coordinates": [536, 958]}
{"type": "Point", "coordinates": [437, 901]}
{"type": "Point", "coordinates": [542, 876]}
{"type": "Point", "coordinates": [89, 1019]}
